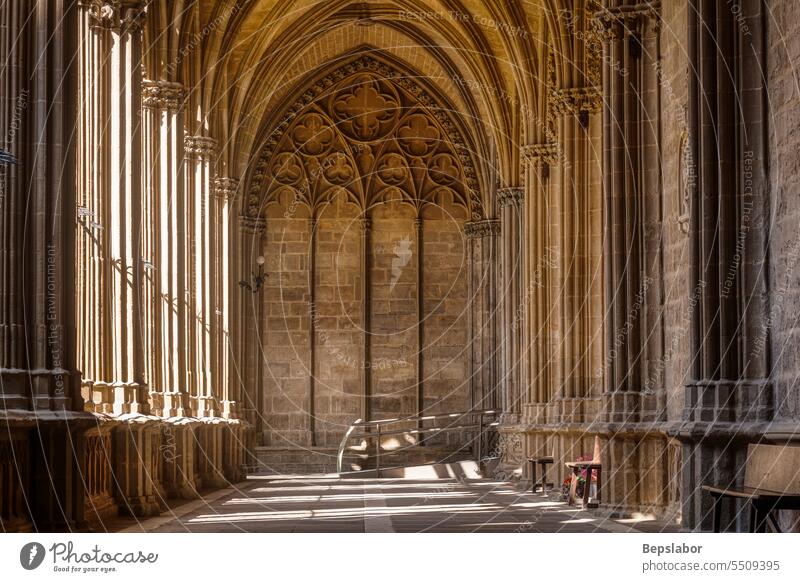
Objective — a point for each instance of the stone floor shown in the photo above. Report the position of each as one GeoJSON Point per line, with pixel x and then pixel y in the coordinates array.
{"type": "Point", "coordinates": [331, 504]}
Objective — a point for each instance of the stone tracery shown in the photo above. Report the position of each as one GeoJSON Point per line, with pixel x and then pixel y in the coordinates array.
{"type": "Point", "coordinates": [370, 131]}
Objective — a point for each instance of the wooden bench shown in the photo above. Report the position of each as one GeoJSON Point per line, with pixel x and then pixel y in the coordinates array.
{"type": "Point", "coordinates": [542, 462]}
{"type": "Point", "coordinates": [590, 467]}
{"type": "Point", "coordinates": [771, 482]}
{"type": "Point", "coordinates": [593, 466]}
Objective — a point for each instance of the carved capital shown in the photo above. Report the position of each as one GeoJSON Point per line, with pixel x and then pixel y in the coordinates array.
{"type": "Point", "coordinates": [513, 196]}
{"type": "Point", "coordinates": [162, 95]}
{"type": "Point", "coordinates": [252, 224]}
{"type": "Point", "coordinates": [132, 17]}
{"type": "Point", "coordinates": [123, 16]}
{"type": "Point", "coordinates": [619, 21]}
{"type": "Point", "coordinates": [541, 153]}
{"type": "Point", "coordinates": [226, 188]}
{"type": "Point", "coordinates": [482, 228]}
{"type": "Point", "coordinates": [200, 147]}
{"type": "Point", "coordinates": [577, 101]}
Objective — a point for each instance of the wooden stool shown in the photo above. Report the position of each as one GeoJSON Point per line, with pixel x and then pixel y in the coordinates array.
{"type": "Point", "coordinates": [543, 462]}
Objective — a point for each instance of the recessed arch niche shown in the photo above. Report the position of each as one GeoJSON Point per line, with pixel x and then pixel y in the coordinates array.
{"type": "Point", "coordinates": [366, 185]}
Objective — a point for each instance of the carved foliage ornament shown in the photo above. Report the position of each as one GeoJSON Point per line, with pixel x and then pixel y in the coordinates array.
{"type": "Point", "coordinates": [482, 228]}
{"type": "Point", "coordinates": [162, 95]}
{"type": "Point", "coordinates": [200, 147]}
{"type": "Point", "coordinates": [541, 153]}
{"type": "Point", "coordinates": [628, 19]}
{"type": "Point", "coordinates": [226, 188]}
{"type": "Point", "coordinates": [369, 132]}
{"type": "Point", "coordinates": [510, 196]}
{"type": "Point", "coordinates": [123, 16]}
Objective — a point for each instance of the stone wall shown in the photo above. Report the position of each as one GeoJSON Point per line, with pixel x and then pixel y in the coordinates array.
{"type": "Point", "coordinates": [286, 349]}
{"type": "Point", "coordinates": [784, 144]}
{"type": "Point", "coordinates": [674, 229]}
{"type": "Point", "coordinates": [341, 376]}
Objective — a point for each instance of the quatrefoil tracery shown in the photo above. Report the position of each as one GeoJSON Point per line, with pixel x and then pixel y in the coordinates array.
{"type": "Point", "coordinates": [372, 139]}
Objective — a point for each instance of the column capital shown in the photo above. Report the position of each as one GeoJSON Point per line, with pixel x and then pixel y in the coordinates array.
{"type": "Point", "coordinates": [576, 101]}
{"type": "Point", "coordinates": [102, 14]}
{"type": "Point", "coordinates": [200, 147]}
{"type": "Point", "coordinates": [630, 16]}
{"type": "Point", "coordinates": [541, 153]}
{"type": "Point", "coordinates": [124, 16]}
{"type": "Point", "coordinates": [512, 196]}
{"type": "Point", "coordinates": [226, 188]}
{"type": "Point", "coordinates": [162, 95]}
{"type": "Point", "coordinates": [482, 228]}
{"type": "Point", "coordinates": [132, 16]}
{"type": "Point", "coordinates": [252, 224]}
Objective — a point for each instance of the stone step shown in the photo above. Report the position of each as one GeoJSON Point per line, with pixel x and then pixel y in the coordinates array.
{"type": "Point", "coordinates": [457, 470]}
{"type": "Point", "coordinates": [313, 460]}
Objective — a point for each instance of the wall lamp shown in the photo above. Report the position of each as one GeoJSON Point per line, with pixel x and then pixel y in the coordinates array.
{"type": "Point", "coordinates": [258, 279]}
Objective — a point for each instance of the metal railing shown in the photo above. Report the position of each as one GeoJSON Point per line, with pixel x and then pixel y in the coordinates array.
{"type": "Point", "coordinates": [377, 429]}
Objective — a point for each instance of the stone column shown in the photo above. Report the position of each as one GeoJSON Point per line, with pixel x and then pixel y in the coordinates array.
{"type": "Point", "coordinates": [249, 317]}
{"type": "Point", "coordinates": [632, 206]}
{"type": "Point", "coordinates": [124, 210]}
{"type": "Point", "coordinates": [224, 375]}
{"type": "Point", "coordinates": [728, 228]}
{"type": "Point", "coordinates": [511, 204]}
{"type": "Point", "coordinates": [94, 320]}
{"type": "Point", "coordinates": [579, 258]}
{"type": "Point", "coordinates": [482, 248]}
{"type": "Point", "coordinates": [366, 386]}
{"type": "Point", "coordinates": [200, 154]}
{"type": "Point", "coordinates": [541, 253]}
{"type": "Point", "coordinates": [41, 418]}
{"type": "Point", "coordinates": [225, 194]}
{"type": "Point", "coordinates": [163, 238]}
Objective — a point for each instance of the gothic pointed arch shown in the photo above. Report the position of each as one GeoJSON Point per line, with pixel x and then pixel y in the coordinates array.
{"type": "Point", "coordinates": [372, 132]}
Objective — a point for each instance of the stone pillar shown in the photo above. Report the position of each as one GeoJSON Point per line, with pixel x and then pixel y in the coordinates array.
{"type": "Point", "coordinates": [225, 192]}
{"type": "Point", "coordinates": [166, 280]}
{"type": "Point", "coordinates": [728, 228]}
{"type": "Point", "coordinates": [200, 154]}
{"type": "Point", "coordinates": [249, 341]}
{"type": "Point", "coordinates": [632, 207]}
{"type": "Point", "coordinates": [137, 435]}
{"type": "Point", "coordinates": [482, 249]}
{"type": "Point", "coordinates": [541, 255]}
{"type": "Point", "coordinates": [511, 204]}
{"type": "Point", "coordinates": [365, 369]}
{"type": "Point", "coordinates": [163, 241]}
{"type": "Point", "coordinates": [123, 219]}
{"type": "Point", "coordinates": [94, 276]}
{"type": "Point", "coordinates": [41, 417]}
{"type": "Point", "coordinates": [579, 258]}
